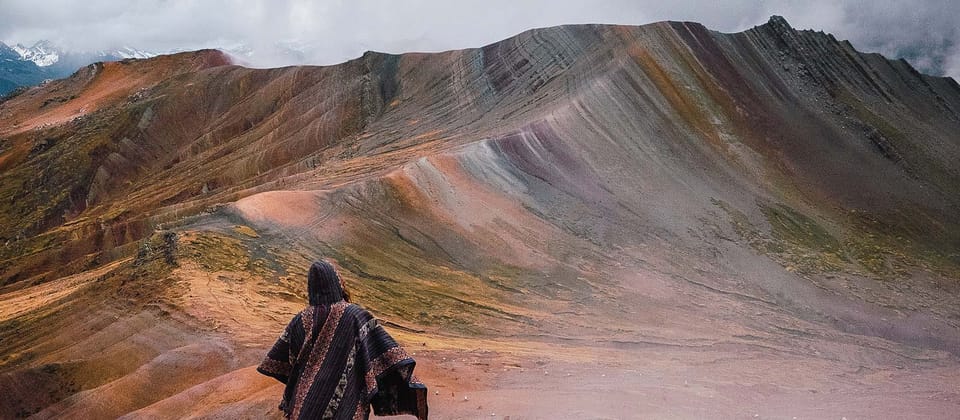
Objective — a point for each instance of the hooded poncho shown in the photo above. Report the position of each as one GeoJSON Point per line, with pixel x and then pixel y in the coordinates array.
{"type": "Point", "coordinates": [337, 361]}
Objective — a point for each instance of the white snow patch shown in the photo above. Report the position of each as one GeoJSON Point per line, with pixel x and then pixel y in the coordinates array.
{"type": "Point", "coordinates": [43, 53]}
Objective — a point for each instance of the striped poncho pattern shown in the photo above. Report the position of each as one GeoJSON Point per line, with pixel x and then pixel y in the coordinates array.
{"type": "Point", "coordinates": [338, 362]}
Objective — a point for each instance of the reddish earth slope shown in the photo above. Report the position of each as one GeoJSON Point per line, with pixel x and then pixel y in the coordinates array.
{"type": "Point", "coordinates": [584, 221]}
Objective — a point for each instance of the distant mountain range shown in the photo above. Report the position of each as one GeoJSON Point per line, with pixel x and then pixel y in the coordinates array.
{"type": "Point", "coordinates": [28, 66]}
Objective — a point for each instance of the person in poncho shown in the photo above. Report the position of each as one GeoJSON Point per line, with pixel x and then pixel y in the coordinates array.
{"type": "Point", "coordinates": [337, 361]}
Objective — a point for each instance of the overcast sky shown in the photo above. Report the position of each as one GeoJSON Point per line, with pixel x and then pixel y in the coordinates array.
{"type": "Point", "coordinates": [330, 31]}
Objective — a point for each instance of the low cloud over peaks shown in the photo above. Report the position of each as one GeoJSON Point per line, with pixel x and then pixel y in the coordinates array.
{"type": "Point", "coordinates": [283, 32]}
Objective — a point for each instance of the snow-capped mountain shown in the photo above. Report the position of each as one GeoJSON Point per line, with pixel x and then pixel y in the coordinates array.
{"type": "Point", "coordinates": [130, 52]}
{"type": "Point", "coordinates": [26, 66]}
{"type": "Point", "coordinates": [43, 53]}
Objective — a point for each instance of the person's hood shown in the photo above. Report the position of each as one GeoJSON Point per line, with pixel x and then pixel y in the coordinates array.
{"type": "Point", "coordinates": [323, 284]}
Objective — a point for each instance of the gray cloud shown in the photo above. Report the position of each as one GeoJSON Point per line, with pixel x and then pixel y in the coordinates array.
{"type": "Point", "coordinates": [923, 31]}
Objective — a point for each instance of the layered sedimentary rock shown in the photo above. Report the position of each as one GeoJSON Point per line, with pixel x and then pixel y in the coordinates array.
{"type": "Point", "coordinates": [582, 191]}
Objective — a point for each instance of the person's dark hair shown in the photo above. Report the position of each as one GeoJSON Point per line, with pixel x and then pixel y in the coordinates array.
{"type": "Point", "coordinates": [324, 285]}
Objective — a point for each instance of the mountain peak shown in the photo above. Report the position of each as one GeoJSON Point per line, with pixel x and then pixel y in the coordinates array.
{"type": "Point", "coordinates": [778, 22]}
{"type": "Point", "coordinates": [43, 53]}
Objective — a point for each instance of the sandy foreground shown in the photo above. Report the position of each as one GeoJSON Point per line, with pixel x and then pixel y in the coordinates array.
{"type": "Point", "coordinates": [651, 383]}
{"type": "Point", "coordinates": [193, 351]}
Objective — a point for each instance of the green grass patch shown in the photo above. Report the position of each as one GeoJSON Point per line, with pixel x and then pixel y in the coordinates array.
{"type": "Point", "coordinates": [795, 229]}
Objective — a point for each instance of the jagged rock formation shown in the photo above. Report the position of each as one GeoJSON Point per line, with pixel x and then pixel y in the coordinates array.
{"type": "Point", "coordinates": [660, 197]}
